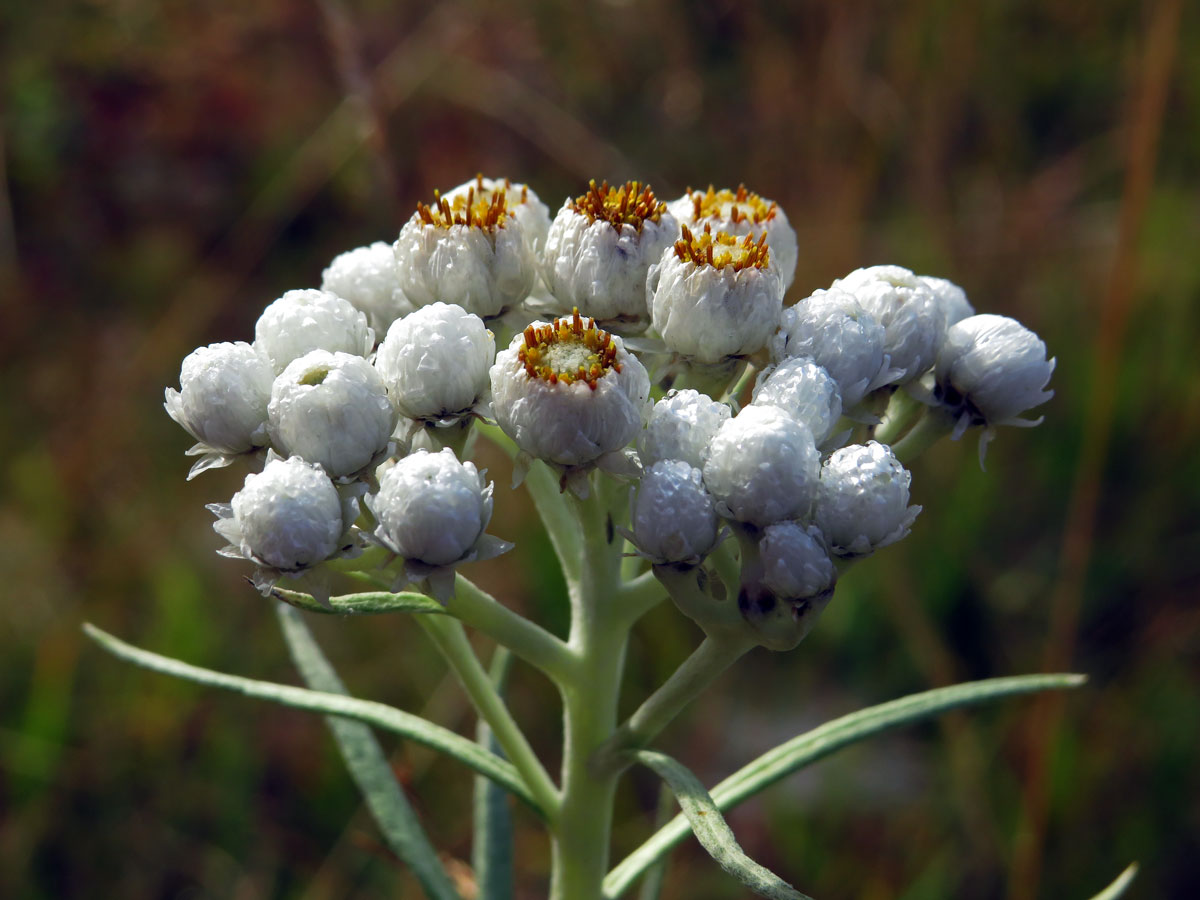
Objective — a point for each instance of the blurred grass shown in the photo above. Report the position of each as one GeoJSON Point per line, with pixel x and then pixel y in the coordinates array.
{"type": "Point", "coordinates": [168, 169]}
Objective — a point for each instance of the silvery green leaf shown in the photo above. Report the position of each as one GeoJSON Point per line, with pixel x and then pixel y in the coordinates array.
{"type": "Point", "coordinates": [1120, 886]}
{"type": "Point", "coordinates": [368, 603]}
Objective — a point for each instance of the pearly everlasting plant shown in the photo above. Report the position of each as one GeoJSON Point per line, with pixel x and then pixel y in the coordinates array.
{"type": "Point", "coordinates": [653, 477]}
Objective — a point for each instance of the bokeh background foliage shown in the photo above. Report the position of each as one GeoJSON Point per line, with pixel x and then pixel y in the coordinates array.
{"type": "Point", "coordinates": [169, 168]}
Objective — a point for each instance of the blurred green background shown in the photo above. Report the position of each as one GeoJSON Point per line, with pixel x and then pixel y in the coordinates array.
{"type": "Point", "coordinates": [171, 167]}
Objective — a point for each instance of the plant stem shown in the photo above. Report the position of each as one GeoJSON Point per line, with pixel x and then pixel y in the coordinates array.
{"type": "Point", "coordinates": [935, 423]}
{"type": "Point", "coordinates": [450, 638]}
{"type": "Point", "coordinates": [902, 409]}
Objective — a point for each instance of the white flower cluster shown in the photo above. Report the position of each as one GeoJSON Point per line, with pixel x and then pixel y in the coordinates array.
{"type": "Point", "coordinates": [364, 386]}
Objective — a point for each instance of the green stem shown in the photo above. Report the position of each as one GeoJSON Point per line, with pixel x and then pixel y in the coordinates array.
{"type": "Point", "coordinates": [638, 596]}
{"type": "Point", "coordinates": [935, 423]}
{"type": "Point", "coordinates": [450, 638]}
{"type": "Point", "coordinates": [902, 409]}
{"type": "Point", "coordinates": [744, 380]}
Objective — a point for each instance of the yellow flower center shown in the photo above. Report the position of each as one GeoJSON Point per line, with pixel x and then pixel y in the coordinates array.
{"type": "Point", "coordinates": [633, 203]}
{"type": "Point", "coordinates": [465, 209]}
{"type": "Point", "coordinates": [720, 250]}
{"type": "Point", "coordinates": [489, 193]}
{"type": "Point", "coordinates": [734, 206]}
{"type": "Point", "coordinates": [568, 350]}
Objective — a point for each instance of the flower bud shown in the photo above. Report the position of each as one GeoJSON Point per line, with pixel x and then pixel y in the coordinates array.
{"type": "Point", "coordinates": [681, 426]}
{"type": "Point", "coordinates": [673, 517]}
{"type": "Point", "coordinates": [368, 278]}
{"type": "Point", "coordinates": [222, 401]}
{"type": "Point", "coordinates": [991, 369]}
{"type": "Point", "coordinates": [520, 201]}
{"type": "Point", "coordinates": [435, 362]}
{"type": "Point", "coordinates": [763, 467]}
{"type": "Point", "coordinates": [911, 315]}
{"type": "Point", "coordinates": [796, 565]}
{"type": "Point", "coordinates": [301, 321]}
{"type": "Point", "coordinates": [600, 246]}
{"type": "Point", "coordinates": [833, 330]}
{"type": "Point", "coordinates": [862, 500]}
{"type": "Point", "coordinates": [950, 297]}
{"type": "Point", "coordinates": [803, 390]}
{"type": "Point", "coordinates": [713, 297]}
{"type": "Point", "coordinates": [331, 409]}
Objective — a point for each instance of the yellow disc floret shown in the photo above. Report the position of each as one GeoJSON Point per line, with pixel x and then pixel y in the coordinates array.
{"type": "Point", "coordinates": [569, 350]}
{"type": "Point", "coordinates": [720, 250]}
{"type": "Point", "coordinates": [466, 209]}
{"type": "Point", "coordinates": [734, 206]}
{"type": "Point", "coordinates": [633, 203]}
{"type": "Point", "coordinates": [485, 193]}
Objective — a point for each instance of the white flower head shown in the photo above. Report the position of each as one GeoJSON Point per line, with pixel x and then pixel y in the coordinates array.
{"type": "Point", "coordinates": [739, 213]}
{"type": "Point", "coordinates": [833, 330]}
{"type": "Point", "coordinates": [713, 296]}
{"type": "Point", "coordinates": [796, 564]}
{"type": "Point", "coordinates": [909, 311]}
{"type": "Point", "coordinates": [468, 251]}
{"type": "Point", "coordinates": [568, 392]}
{"type": "Point", "coordinates": [862, 501]}
{"type": "Point", "coordinates": [331, 409]}
{"type": "Point", "coordinates": [521, 202]}
{"type": "Point", "coordinates": [222, 402]}
{"type": "Point", "coordinates": [599, 248]}
{"type": "Point", "coordinates": [803, 390]}
{"type": "Point", "coordinates": [681, 426]}
{"type": "Point", "coordinates": [301, 321]}
{"type": "Point", "coordinates": [368, 278]}
{"type": "Point", "coordinates": [435, 362]}
{"type": "Point", "coordinates": [763, 467]}
{"type": "Point", "coordinates": [432, 510]}
{"type": "Point", "coordinates": [674, 520]}
{"type": "Point", "coordinates": [990, 370]}
{"type": "Point", "coordinates": [287, 519]}
{"type": "Point", "coordinates": [950, 297]}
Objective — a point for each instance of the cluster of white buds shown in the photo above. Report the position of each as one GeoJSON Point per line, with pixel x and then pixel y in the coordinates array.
{"type": "Point", "coordinates": [808, 476]}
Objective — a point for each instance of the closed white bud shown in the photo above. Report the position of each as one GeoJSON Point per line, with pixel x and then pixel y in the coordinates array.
{"type": "Point", "coordinates": [301, 321]}
{"type": "Point", "coordinates": [599, 248]}
{"type": "Point", "coordinates": [713, 296]}
{"type": "Point", "coordinates": [368, 278]}
{"type": "Point", "coordinates": [681, 426]}
{"type": "Point", "coordinates": [833, 330]}
{"type": "Point", "coordinates": [911, 315]}
{"type": "Point", "coordinates": [288, 517]}
{"type": "Point", "coordinates": [222, 401]}
{"type": "Point", "coordinates": [991, 369]}
{"type": "Point", "coordinates": [432, 508]}
{"type": "Point", "coordinates": [796, 565]}
{"type": "Point", "coordinates": [331, 409]}
{"type": "Point", "coordinates": [435, 362]}
{"type": "Point", "coordinates": [468, 251]}
{"type": "Point", "coordinates": [862, 502]}
{"type": "Point", "coordinates": [803, 390]}
{"type": "Point", "coordinates": [763, 467]}
{"type": "Point", "coordinates": [952, 299]}
{"type": "Point", "coordinates": [673, 517]}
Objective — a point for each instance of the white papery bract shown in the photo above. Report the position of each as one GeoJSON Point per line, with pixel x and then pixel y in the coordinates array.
{"type": "Point", "coordinates": [681, 426]}
{"type": "Point", "coordinates": [301, 321]}
{"type": "Point", "coordinates": [599, 248]}
{"type": "Point", "coordinates": [833, 330]}
{"type": "Point", "coordinates": [763, 467]}
{"type": "Point", "coordinates": [796, 565]}
{"type": "Point", "coordinates": [521, 202]}
{"type": "Point", "coordinates": [288, 517]}
{"type": "Point", "coordinates": [222, 402]}
{"type": "Point", "coordinates": [952, 299]}
{"type": "Point", "coordinates": [912, 316]}
{"type": "Point", "coordinates": [712, 312]}
{"type": "Point", "coordinates": [435, 362]}
{"type": "Point", "coordinates": [674, 520]}
{"type": "Point", "coordinates": [555, 410]}
{"type": "Point", "coordinates": [803, 390]}
{"type": "Point", "coordinates": [862, 501]}
{"type": "Point", "coordinates": [368, 278]}
{"type": "Point", "coordinates": [991, 369]}
{"type": "Point", "coordinates": [331, 409]}
{"type": "Point", "coordinates": [742, 212]}
{"type": "Point", "coordinates": [468, 252]}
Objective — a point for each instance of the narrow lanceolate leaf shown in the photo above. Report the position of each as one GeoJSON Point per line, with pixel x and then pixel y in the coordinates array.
{"type": "Point", "coordinates": [379, 715]}
{"type": "Point", "coordinates": [492, 844]}
{"type": "Point", "coordinates": [712, 832]}
{"type": "Point", "coordinates": [365, 604]}
{"type": "Point", "coordinates": [369, 766]}
{"type": "Point", "coordinates": [1120, 886]}
{"type": "Point", "coordinates": [821, 742]}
